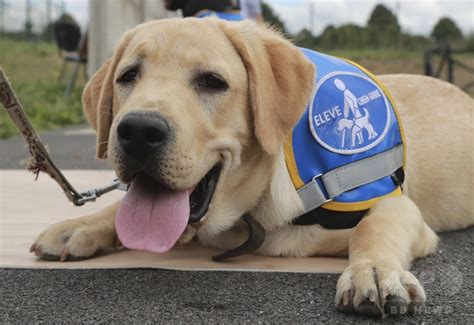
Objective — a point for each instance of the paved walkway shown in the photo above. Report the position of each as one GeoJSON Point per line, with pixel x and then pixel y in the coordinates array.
{"type": "Point", "coordinates": [72, 148]}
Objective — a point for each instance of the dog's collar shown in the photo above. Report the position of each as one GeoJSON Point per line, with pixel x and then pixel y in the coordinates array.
{"type": "Point", "coordinates": [326, 218]}
{"type": "Point", "coordinates": [253, 242]}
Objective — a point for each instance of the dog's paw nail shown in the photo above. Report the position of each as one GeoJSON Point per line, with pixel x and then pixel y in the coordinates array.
{"type": "Point", "coordinates": [64, 255]}
{"type": "Point", "coordinates": [372, 296]}
{"type": "Point", "coordinates": [38, 251]}
{"type": "Point", "coordinates": [346, 298]}
{"type": "Point", "coordinates": [416, 295]}
{"type": "Point", "coordinates": [346, 309]}
{"type": "Point", "coordinates": [32, 248]}
{"type": "Point", "coordinates": [368, 308]}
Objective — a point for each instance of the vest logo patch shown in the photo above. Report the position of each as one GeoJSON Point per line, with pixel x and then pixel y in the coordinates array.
{"type": "Point", "coordinates": [348, 113]}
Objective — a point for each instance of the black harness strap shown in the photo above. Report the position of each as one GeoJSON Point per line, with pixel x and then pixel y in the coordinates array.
{"type": "Point", "coordinates": [399, 177]}
{"type": "Point", "coordinates": [330, 219]}
{"type": "Point", "coordinates": [340, 219]}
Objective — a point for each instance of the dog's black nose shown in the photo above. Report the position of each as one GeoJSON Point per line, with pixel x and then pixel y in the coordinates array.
{"type": "Point", "coordinates": [142, 133]}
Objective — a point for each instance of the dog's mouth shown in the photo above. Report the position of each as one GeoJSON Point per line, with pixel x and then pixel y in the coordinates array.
{"type": "Point", "coordinates": [201, 198]}
{"type": "Point", "coordinates": [152, 217]}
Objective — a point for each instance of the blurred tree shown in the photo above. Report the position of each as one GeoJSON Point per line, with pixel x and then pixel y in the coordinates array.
{"type": "Point", "coordinates": [345, 36]}
{"type": "Point", "coordinates": [329, 38]}
{"type": "Point", "coordinates": [383, 27]}
{"type": "Point", "coordinates": [415, 42]}
{"type": "Point", "coordinates": [3, 10]}
{"type": "Point", "coordinates": [28, 29]}
{"type": "Point", "coordinates": [305, 39]}
{"type": "Point", "coordinates": [28, 24]}
{"type": "Point", "coordinates": [47, 33]}
{"type": "Point", "coordinates": [352, 36]}
{"type": "Point", "coordinates": [446, 31]}
{"type": "Point", "coordinates": [469, 41]}
{"type": "Point", "coordinates": [271, 17]}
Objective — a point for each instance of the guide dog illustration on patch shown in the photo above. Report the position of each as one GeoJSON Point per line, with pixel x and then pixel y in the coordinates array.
{"type": "Point", "coordinates": [349, 113]}
{"type": "Point", "coordinates": [358, 122]}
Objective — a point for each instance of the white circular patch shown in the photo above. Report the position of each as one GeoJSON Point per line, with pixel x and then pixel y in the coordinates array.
{"type": "Point", "coordinates": [348, 113]}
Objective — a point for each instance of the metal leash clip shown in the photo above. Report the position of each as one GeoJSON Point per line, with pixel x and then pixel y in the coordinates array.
{"type": "Point", "coordinates": [41, 160]}
{"type": "Point", "coordinates": [92, 195]}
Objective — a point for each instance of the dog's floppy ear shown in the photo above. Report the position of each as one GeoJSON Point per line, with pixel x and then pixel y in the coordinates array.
{"type": "Point", "coordinates": [98, 98]}
{"type": "Point", "coordinates": [281, 80]}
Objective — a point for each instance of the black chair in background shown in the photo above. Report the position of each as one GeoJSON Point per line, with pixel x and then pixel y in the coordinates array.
{"type": "Point", "coordinates": [73, 48]}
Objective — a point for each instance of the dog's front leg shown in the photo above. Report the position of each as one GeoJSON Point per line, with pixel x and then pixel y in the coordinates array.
{"type": "Point", "coordinates": [78, 238]}
{"type": "Point", "coordinates": [377, 281]}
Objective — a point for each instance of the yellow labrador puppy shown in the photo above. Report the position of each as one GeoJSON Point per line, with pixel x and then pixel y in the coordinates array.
{"type": "Point", "coordinates": [194, 113]}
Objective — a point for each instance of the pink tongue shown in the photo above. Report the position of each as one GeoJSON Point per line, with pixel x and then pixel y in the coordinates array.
{"type": "Point", "coordinates": [151, 217]}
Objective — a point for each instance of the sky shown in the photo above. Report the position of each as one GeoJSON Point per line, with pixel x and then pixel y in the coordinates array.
{"type": "Point", "coordinates": [415, 16]}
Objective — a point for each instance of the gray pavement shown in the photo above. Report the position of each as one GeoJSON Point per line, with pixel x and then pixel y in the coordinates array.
{"type": "Point", "coordinates": [72, 148]}
{"type": "Point", "coordinates": [151, 295]}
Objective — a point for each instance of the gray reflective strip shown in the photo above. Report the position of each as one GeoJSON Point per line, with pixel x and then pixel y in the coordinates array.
{"type": "Point", "coordinates": [312, 196]}
{"type": "Point", "coordinates": [348, 177]}
{"type": "Point", "coordinates": [362, 172]}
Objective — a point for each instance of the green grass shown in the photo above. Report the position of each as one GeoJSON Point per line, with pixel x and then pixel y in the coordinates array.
{"type": "Point", "coordinates": [33, 69]}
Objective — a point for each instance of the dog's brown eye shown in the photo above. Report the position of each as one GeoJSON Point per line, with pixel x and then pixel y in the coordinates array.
{"type": "Point", "coordinates": [129, 76]}
{"type": "Point", "coordinates": [211, 81]}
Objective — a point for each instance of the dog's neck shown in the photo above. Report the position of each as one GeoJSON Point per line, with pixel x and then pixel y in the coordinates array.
{"type": "Point", "coordinates": [281, 203]}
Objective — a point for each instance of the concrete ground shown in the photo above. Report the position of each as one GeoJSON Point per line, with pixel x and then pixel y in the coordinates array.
{"type": "Point", "coordinates": [151, 295]}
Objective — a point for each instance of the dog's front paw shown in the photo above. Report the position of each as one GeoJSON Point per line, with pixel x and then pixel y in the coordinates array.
{"type": "Point", "coordinates": [378, 289]}
{"type": "Point", "coordinates": [74, 239]}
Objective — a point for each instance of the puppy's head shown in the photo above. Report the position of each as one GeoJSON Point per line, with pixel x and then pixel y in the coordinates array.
{"type": "Point", "coordinates": [196, 111]}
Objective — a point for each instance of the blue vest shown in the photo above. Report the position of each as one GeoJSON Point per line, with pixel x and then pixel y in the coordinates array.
{"type": "Point", "coordinates": [233, 15]}
{"type": "Point", "coordinates": [350, 119]}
